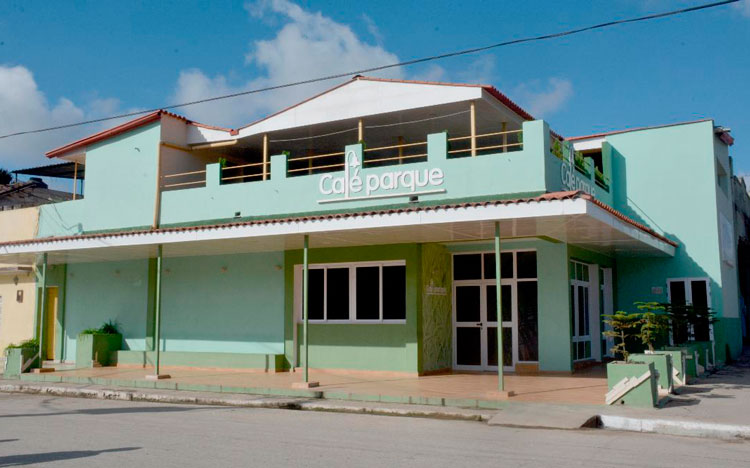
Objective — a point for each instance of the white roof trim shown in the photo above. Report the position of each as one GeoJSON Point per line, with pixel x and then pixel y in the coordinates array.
{"type": "Point", "coordinates": [448, 217]}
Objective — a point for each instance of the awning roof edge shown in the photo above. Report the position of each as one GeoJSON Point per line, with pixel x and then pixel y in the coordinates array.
{"type": "Point", "coordinates": [559, 204]}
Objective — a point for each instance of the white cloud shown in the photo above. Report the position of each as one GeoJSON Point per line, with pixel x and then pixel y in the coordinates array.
{"type": "Point", "coordinates": [372, 28]}
{"type": "Point", "coordinates": [23, 107]}
{"type": "Point", "coordinates": [542, 99]}
{"type": "Point", "coordinates": [308, 45]}
{"type": "Point", "coordinates": [743, 8]}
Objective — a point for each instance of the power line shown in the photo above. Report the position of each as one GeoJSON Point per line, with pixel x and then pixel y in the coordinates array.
{"type": "Point", "coordinates": [385, 67]}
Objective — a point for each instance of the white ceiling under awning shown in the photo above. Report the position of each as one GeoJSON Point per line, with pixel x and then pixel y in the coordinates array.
{"type": "Point", "coordinates": [576, 221]}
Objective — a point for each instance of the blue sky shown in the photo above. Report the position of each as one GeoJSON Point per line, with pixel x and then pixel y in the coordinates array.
{"type": "Point", "coordinates": [63, 61]}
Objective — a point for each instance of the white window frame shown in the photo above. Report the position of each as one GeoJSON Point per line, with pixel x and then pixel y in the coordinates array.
{"type": "Point", "coordinates": [592, 285]}
{"type": "Point", "coordinates": [513, 324]}
{"type": "Point", "coordinates": [688, 283]}
{"type": "Point", "coordinates": [352, 266]}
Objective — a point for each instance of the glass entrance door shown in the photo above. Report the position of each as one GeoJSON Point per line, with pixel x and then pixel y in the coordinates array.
{"type": "Point", "coordinates": [476, 327]}
{"type": "Point", "coordinates": [475, 311]}
{"type": "Point", "coordinates": [580, 308]}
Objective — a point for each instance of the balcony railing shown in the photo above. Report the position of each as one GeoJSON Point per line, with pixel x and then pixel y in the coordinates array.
{"type": "Point", "coordinates": [401, 153]}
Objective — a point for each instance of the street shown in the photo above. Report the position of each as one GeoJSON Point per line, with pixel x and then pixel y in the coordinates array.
{"type": "Point", "coordinates": [50, 431]}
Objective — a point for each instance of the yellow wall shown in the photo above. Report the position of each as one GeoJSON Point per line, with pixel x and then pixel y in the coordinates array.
{"type": "Point", "coordinates": [18, 224]}
{"type": "Point", "coordinates": [17, 319]}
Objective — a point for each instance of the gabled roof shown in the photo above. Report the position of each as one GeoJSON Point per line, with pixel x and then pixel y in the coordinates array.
{"type": "Point", "coordinates": [635, 129]}
{"type": "Point", "coordinates": [122, 128]}
{"type": "Point", "coordinates": [490, 89]}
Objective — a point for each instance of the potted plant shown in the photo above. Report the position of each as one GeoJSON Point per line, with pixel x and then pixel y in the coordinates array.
{"type": "Point", "coordinates": [654, 324]}
{"type": "Point", "coordinates": [97, 346]}
{"type": "Point", "coordinates": [690, 330]}
{"type": "Point", "coordinates": [629, 382]}
{"type": "Point", "coordinates": [21, 357]}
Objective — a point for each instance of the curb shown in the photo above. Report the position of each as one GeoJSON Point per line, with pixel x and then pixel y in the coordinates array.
{"type": "Point", "coordinates": [675, 427]}
{"type": "Point", "coordinates": [253, 401]}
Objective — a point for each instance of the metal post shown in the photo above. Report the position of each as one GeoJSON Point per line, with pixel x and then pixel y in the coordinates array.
{"type": "Point", "coordinates": [500, 384]}
{"type": "Point", "coordinates": [157, 311]}
{"type": "Point", "coordinates": [75, 180]}
{"type": "Point", "coordinates": [42, 313]}
{"type": "Point", "coordinates": [504, 128]}
{"type": "Point", "coordinates": [157, 320]}
{"type": "Point", "coordinates": [305, 283]}
{"type": "Point", "coordinates": [473, 122]}
{"type": "Point", "coordinates": [265, 156]}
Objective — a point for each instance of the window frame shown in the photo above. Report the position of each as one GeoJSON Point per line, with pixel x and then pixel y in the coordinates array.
{"type": "Point", "coordinates": [352, 267]}
{"type": "Point", "coordinates": [484, 282]}
{"type": "Point", "coordinates": [687, 281]}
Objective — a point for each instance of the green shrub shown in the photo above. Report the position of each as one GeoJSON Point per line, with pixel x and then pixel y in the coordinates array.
{"type": "Point", "coordinates": [109, 327]}
{"type": "Point", "coordinates": [28, 344]}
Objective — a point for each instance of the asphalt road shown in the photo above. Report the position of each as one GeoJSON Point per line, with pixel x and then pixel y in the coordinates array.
{"type": "Point", "coordinates": [45, 431]}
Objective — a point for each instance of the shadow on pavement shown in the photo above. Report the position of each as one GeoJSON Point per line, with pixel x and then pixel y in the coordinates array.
{"type": "Point", "coordinates": [29, 458]}
{"type": "Point", "coordinates": [101, 411]}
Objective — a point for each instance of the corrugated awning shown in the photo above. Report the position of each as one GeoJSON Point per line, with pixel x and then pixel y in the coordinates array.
{"type": "Point", "coordinates": [570, 217]}
{"type": "Point", "coordinates": [61, 171]}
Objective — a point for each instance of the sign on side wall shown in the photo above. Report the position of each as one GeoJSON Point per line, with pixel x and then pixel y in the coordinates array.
{"type": "Point", "coordinates": [352, 185]}
{"type": "Point", "coordinates": [570, 177]}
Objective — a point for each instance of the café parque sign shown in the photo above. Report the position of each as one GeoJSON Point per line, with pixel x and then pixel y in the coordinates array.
{"type": "Point", "coordinates": [352, 185]}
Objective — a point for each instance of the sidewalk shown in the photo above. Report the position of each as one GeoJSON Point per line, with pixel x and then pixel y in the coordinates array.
{"type": "Point", "coordinates": [715, 406]}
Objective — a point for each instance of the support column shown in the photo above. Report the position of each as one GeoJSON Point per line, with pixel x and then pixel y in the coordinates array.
{"type": "Point", "coordinates": [499, 305]}
{"type": "Point", "coordinates": [43, 311]}
{"type": "Point", "coordinates": [157, 375]}
{"type": "Point", "coordinates": [265, 156]}
{"type": "Point", "coordinates": [75, 180]}
{"type": "Point", "coordinates": [504, 128]}
{"type": "Point", "coordinates": [360, 131]}
{"type": "Point", "coordinates": [473, 123]}
{"type": "Point", "coordinates": [305, 287]}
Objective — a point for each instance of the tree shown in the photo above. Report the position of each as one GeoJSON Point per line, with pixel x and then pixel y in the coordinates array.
{"type": "Point", "coordinates": [5, 176]}
{"type": "Point", "coordinates": [622, 324]}
{"type": "Point", "coordinates": [689, 322]}
{"type": "Point", "coordinates": [654, 322]}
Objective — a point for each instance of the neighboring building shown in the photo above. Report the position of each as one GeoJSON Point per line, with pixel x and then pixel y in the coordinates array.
{"type": "Point", "coordinates": [19, 216]}
{"type": "Point", "coordinates": [399, 186]}
{"type": "Point", "coordinates": [742, 233]}
{"type": "Point", "coordinates": [33, 192]}
{"type": "Point", "coordinates": [17, 281]}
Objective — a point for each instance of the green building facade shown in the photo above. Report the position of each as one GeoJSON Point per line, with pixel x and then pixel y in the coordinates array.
{"type": "Point", "coordinates": [398, 186]}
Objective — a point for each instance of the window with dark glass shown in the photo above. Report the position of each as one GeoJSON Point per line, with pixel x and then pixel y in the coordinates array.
{"type": "Point", "coordinates": [337, 293]}
{"type": "Point", "coordinates": [315, 296]}
{"type": "Point", "coordinates": [357, 292]}
{"type": "Point", "coordinates": [368, 293]}
{"type": "Point", "coordinates": [394, 292]}
{"type": "Point", "coordinates": [467, 267]}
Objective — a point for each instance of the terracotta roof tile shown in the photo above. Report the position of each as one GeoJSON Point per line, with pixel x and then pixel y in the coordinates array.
{"type": "Point", "coordinates": [407, 209]}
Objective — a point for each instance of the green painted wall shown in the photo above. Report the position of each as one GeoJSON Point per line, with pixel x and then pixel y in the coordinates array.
{"type": "Point", "coordinates": [224, 303]}
{"type": "Point", "coordinates": [665, 178]}
{"type": "Point", "coordinates": [120, 187]}
{"type": "Point", "coordinates": [97, 292]}
{"type": "Point", "coordinates": [502, 173]}
{"type": "Point", "coordinates": [554, 298]}
{"type": "Point", "coordinates": [383, 347]}
{"type": "Point", "coordinates": [437, 308]}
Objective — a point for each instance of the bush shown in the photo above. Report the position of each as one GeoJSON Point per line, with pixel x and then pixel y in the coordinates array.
{"type": "Point", "coordinates": [108, 328]}
{"type": "Point", "coordinates": [28, 344]}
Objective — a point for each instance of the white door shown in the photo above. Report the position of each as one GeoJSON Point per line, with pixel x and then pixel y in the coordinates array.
{"type": "Point", "coordinates": [475, 317]}
{"type": "Point", "coordinates": [691, 291]}
{"type": "Point", "coordinates": [581, 311]}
